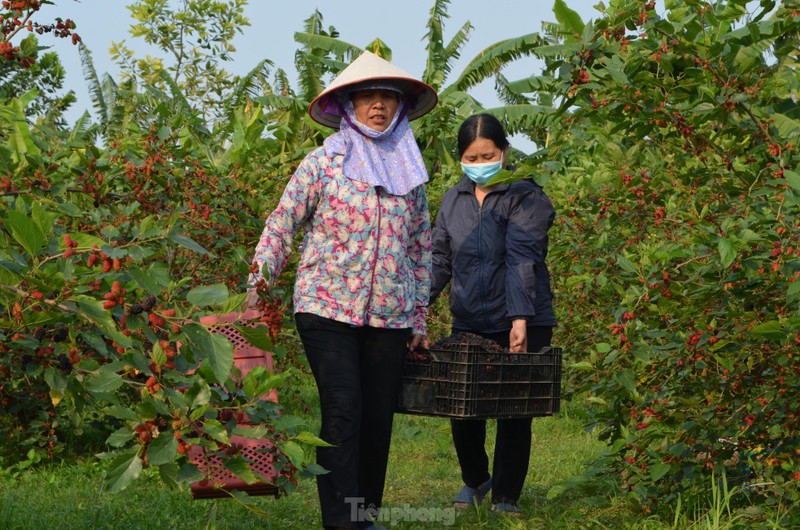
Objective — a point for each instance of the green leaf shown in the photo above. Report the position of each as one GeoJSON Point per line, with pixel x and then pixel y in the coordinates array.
{"type": "Point", "coordinates": [93, 311]}
{"type": "Point", "coordinates": [122, 413]}
{"type": "Point", "coordinates": [8, 277]}
{"type": "Point", "coordinates": [25, 231]}
{"type": "Point", "coordinates": [234, 303]}
{"type": "Point", "coordinates": [124, 469]}
{"type": "Point", "coordinates": [792, 178]}
{"type": "Point", "coordinates": [787, 127]}
{"type": "Point", "coordinates": [55, 380]}
{"type": "Point", "coordinates": [189, 243]}
{"type": "Point", "coordinates": [216, 431]}
{"type": "Point", "coordinates": [658, 471]}
{"type": "Point", "coordinates": [43, 219]}
{"type": "Point", "coordinates": [556, 50]}
{"type": "Point", "coordinates": [583, 365]}
{"type": "Point", "coordinates": [311, 439]}
{"type": "Point", "coordinates": [719, 345]}
{"type": "Point", "coordinates": [199, 395]}
{"type": "Point", "coordinates": [254, 382]}
{"type": "Point", "coordinates": [626, 264]}
{"type": "Point", "coordinates": [150, 280]}
{"type": "Point", "coordinates": [249, 431]}
{"type": "Point", "coordinates": [169, 475]}
{"type": "Point", "coordinates": [727, 251]}
{"type": "Point", "coordinates": [603, 347]}
{"type": "Point", "coordinates": [20, 139]}
{"type": "Point", "coordinates": [627, 379]}
{"type": "Point", "coordinates": [119, 438]}
{"type": "Point", "coordinates": [294, 451]}
{"type": "Point", "coordinates": [793, 291]}
{"type": "Point", "coordinates": [679, 449]}
{"type": "Point", "coordinates": [208, 295]}
{"type": "Point", "coordinates": [157, 355]}
{"type": "Point", "coordinates": [163, 449]}
{"type": "Point", "coordinates": [316, 469]}
{"type": "Point", "coordinates": [85, 241]}
{"type": "Point", "coordinates": [239, 467]}
{"type": "Point", "coordinates": [556, 490]}
{"type": "Point", "coordinates": [568, 18]}
{"type": "Point", "coordinates": [258, 336]}
{"type": "Point", "coordinates": [190, 473]}
{"type": "Point", "coordinates": [285, 422]}
{"type": "Point", "coordinates": [770, 330]}
{"type": "Point", "coordinates": [215, 350]}
{"type": "Point", "coordinates": [104, 380]}
{"type": "Point", "coordinates": [725, 363]}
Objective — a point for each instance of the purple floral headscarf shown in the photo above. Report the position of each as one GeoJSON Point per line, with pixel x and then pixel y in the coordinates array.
{"type": "Point", "coordinates": [390, 159]}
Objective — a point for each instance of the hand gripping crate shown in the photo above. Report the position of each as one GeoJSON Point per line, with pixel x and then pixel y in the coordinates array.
{"type": "Point", "coordinates": [471, 382]}
{"type": "Point", "coordinates": [258, 452]}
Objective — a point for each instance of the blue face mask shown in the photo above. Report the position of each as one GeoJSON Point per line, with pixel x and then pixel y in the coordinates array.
{"type": "Point", "coordinates": [482, 173]}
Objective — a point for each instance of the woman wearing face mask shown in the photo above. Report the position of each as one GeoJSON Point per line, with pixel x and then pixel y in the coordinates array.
{"type": "Point", "coordinates": [490, 244]}
{"type": "Point", "coordinates": [362, 284]}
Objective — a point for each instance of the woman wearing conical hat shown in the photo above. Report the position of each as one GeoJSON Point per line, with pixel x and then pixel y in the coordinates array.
{"type": "Point", "coordinates": [363, 279]}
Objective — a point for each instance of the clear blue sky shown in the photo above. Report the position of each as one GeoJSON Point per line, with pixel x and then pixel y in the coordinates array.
{"type": "Point", "coordinates": [273, 24]}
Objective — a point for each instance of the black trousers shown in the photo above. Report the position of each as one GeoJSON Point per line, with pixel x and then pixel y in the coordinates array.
{"type": "Point", "coordinates": [512, 441]}
{"type": "Point", "coordinates": [358, 372]}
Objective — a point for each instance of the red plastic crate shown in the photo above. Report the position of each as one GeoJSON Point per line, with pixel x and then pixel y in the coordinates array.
{"type": "Point", "coordinates": [259, 452]}
{"type": "Point", "coordinates": [220, 480]}
{"type": "Point", "coordinates": [245, 355]}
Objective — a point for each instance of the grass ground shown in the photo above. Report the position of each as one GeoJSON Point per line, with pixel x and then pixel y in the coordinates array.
{"type": "Point", "coordinates": [422, 478]}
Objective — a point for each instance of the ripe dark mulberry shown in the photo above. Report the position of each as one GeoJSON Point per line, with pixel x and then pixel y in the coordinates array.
{"type": "Point", "coordinates": [462, 341]}
{"type": "Point", "coordinates": [149, 303]}
{"type": "Point", "coordinates": [135, 309]}
{"type": "Point", "coordinates": [63, 363]}
{"type": "Point", "coordinates": [60, 335]}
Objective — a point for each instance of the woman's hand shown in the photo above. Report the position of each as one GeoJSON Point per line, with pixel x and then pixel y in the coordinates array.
{"type": "Point", "coordinates": [417, 342]}
{"type": "Point", "coordinates": [518, 338]}
{"type": "Point", "coordinates": [252, 299]}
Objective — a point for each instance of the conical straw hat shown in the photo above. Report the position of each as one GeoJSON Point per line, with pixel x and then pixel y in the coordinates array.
{"type": "Point", "coordinates": [370, 67]}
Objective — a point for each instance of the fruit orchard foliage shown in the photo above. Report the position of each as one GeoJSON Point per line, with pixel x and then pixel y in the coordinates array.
{"type": "Point", "coordinates": [677, 249]}
{"type": "Point", "coordinates": [17, 17]}
{"type": "Point", "coordinates": [23, 69]}
{"type": "Point", "coordinates": [108, 257]}
{"type": "Point", "coordinates": [674, 171]}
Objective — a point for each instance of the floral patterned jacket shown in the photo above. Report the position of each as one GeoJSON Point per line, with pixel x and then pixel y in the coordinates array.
{"type": "Point", "coordinates": [366, 254]}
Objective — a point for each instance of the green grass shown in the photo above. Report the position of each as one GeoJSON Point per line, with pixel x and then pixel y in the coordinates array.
{"type": "Point", "coordinates": [422, 478]}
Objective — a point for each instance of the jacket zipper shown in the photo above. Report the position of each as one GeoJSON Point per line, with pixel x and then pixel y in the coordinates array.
{"type": "Point", "coordinates": [480, 260]}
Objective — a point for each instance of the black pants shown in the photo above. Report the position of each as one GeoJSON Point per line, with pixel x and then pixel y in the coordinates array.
{"type": "Point", "coordinates": [512, 442]}
{"type": "Point", "coordinates": [358, 371]}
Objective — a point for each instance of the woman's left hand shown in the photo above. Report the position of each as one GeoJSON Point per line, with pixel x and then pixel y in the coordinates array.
{"type": "Point", "coordinates": [417, 341]}
{"type": "Point", "coordinates": [518, 338]}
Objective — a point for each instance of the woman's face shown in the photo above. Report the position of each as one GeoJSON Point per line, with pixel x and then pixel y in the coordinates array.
{"type": "Point", "coordinates": [375, 108]}
{"type": "Point", "coordinates": [481, 151]}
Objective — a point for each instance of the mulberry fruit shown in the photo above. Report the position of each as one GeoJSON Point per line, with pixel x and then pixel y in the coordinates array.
{"type": "Point", "coordinates": [149, 303]}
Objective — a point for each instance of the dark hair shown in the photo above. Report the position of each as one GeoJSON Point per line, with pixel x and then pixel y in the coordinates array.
{"type": "Point", "coordinates": [481, 126]}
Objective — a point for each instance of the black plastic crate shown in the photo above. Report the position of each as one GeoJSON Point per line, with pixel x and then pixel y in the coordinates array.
{"type": "Point", "coordinates": [471, 382]}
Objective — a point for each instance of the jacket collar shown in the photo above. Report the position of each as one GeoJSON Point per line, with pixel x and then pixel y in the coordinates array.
{"type": "Point", "coordinates": [465, 185]}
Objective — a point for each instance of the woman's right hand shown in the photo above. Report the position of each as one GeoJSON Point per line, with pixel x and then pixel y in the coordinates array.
{"type": "Point", "coordinates": [252, 299]}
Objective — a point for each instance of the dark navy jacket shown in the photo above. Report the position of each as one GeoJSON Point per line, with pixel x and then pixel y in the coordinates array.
{"type": "Point", "coordinates": [494, 256]}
